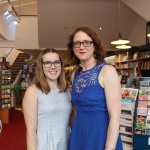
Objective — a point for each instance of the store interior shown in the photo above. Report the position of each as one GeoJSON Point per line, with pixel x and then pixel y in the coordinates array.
{"type": "Point", "coordinates": [29, 26]}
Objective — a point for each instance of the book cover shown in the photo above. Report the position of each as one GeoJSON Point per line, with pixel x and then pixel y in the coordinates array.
{"type": "Point", "coordinates": [145, 83]}
{"type": "Point", "coordinates": [140, 126]}
{"type": "Point", "coordinates": [129, 93]}
{"type": "Point", "coordinates": [134, 56]}
{"type": "Point", "coordinates": [140, 131]}
{"type": "Point", "coordinates": [141, 120]}
{"type": "Point", "coordinates": [148, 122]}
{"type": "Point", "coordinates": [147, 132]}
{"type": "Point", "coordinates": [143, 97]}
{"type": "Point", "coordinates": [142, 104]}
{"type": "Point", "coordinates": [142, 112]}
{"type": "Point", "coordinates": [148, 112]}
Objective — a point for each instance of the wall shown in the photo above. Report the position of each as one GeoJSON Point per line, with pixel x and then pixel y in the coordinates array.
{"type": "Point", "coordinates": [140, 6]}
{"type": "Point", "coordinates": [8, 32]}
{"type": "Point", "coordinates": [133, 27]}
{"type": "Point", "coordinates": [27, 33]}
{"type": "Point", "coordinates": [4, 52]}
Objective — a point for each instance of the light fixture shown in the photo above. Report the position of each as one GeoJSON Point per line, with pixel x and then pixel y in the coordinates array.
{"type": "Point", "coordinates": [9, 7]}
{"type": "Point", "coordinates": [15, 22]}
{"type": "Point", "coordinates": [148, 35]}
{"type": "Point", "coordinates": [120, 40]}
{"type": "Point", "coordinates": [123, 47]}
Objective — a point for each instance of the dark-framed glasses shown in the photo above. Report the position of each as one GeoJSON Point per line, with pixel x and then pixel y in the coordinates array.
{"type": "Point", "coordinates": [48, 64]}
{"type": "Point", "coordinates": [85, 43]}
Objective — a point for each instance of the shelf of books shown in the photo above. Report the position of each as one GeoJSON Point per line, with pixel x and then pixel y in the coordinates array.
{"type": "Point", "coordinates": [142, 117]}
{"type": "Point", "coordinates": [129, 96]}
{"type": "Point", "coordinates": [124, 63]}
{"type": "Point", "coordinates": [28, 72]}
{"type": "Point", "coordinates": [5, 95]}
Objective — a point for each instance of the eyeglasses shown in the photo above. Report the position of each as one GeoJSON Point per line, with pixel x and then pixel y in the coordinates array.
{"type": "Point", "coordinates": [85, 43]}
{"type": "Point", "coordinates": [48, 64]}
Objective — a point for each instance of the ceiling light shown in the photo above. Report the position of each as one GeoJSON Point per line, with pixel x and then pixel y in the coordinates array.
{"type": "Point", "coordinates": [148, 35]}
{"type": "Point", "coordinates": [120, 40]}
{"type": "Point", "coordinates": [123, 47]}
{"type": "Point", "coordinates": [15, 22]}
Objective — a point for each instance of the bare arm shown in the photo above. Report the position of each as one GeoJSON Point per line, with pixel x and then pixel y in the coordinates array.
{"type": "Point", "coordinates": [110, 81]}
{"type": "Point", "coordinates": [30, 115]}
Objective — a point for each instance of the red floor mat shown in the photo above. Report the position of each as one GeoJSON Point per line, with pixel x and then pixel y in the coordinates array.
{"type": "Point", "coordinates": [13, 134]}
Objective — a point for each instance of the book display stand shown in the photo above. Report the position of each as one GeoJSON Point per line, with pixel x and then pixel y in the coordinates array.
{"type": "Point", "coordinates": [5, 95]}
{"type": "Point", "coordinates": [129, 96]}
{"type": "Point", "coordinates": [141, 136]}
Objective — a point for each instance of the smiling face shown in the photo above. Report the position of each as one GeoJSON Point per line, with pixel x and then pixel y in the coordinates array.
{"type": "Point", "coordinates": [85, 48]}
{"type": "Point", "coordinates": [51, 66]}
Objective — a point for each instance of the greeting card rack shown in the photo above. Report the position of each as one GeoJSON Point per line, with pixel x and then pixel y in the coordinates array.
{"type": "Point", "coordinates": [141, 136]}
{"type": "Point", "coordinates": [129, 97]}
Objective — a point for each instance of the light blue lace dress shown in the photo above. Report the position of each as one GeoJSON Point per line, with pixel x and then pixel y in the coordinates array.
{"type": "Point", "coordinates": [53, 120]}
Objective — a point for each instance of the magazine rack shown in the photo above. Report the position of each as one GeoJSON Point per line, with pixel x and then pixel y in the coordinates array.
{"type": "Point", "coordinates": [141, 136]}
{"type": "Point", "coordinates": [129, 96]}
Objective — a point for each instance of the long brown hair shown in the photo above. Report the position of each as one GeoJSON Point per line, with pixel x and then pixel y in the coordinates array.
{"type": "Point", "coordinates": [40, 78]}
{"type": "Point", "coordinates": [99, 49]}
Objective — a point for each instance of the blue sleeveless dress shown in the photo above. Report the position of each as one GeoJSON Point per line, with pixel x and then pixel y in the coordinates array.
{"type": "Point", "coordinates": [89, 130]}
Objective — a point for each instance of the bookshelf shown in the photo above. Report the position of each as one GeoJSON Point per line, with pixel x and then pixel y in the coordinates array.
{"type": "Point", "coordinates": [5, 85]}
{"type": "Point", "coordinates": [137, 61]}
{"type": "Point", "coordinates": [27, 76]}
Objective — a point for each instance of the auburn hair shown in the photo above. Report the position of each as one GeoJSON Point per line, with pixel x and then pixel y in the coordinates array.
{"type": "Point", "coordinates": [99, 49]}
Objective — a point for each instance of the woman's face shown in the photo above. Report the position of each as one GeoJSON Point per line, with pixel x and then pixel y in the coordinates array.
{"type": "Point", "coordinates": [83, 51]}
{"type": "Point", "coordinates": [51, 66]}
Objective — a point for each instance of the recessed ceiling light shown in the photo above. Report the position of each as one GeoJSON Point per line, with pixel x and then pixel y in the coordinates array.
{"type": "Point", "coordinates": [100, 28]}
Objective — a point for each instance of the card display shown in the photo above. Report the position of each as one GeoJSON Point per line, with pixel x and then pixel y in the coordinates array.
{"type": "Point", "coordinates": [143, 108]}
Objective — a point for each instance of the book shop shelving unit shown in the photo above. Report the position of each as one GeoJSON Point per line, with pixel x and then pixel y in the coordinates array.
{"type": "Point", "coordinates": [129, 96]}
{"type": "Point", "coordinates": [5, 85]}
{"type": "Point", "coordinates": [141, 136]}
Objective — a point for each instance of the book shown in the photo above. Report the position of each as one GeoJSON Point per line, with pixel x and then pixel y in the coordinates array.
{"type": "Point", "coordinates": [141, 111]}
{"type": "Point", "coordinates": [129, 94]}
{"type": "Point", "coordinates": [135, 56]}
{"type": "Point", "coordinates": [143, 97]}
{"type": "Point", "coordinates": [140, 131]}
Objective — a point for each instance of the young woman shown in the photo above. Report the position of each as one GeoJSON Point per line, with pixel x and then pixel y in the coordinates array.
{"type": "Point", "coordinates": [47, 105]}
{"type": "Point", "coordinates": [96, 95]}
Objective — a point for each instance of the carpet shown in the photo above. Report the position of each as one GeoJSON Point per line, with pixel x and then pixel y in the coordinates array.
{"type": "Point", "coordinates": [13, 134]}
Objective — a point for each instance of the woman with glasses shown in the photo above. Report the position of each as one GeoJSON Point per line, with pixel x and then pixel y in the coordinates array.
{"type": "Point", "coordinates": [47, 105]}
{"type": "Point", "coordinates": [96, 95]}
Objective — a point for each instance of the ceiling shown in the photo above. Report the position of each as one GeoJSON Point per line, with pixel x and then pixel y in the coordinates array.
{"type": "Point", "coordinates": [58, 18]}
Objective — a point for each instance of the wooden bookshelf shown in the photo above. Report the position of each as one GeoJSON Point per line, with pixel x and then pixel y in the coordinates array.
{"type": "Point", "coordinates": [5, 94]}
{"type": "Point", "coordinates": [126, 61]}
